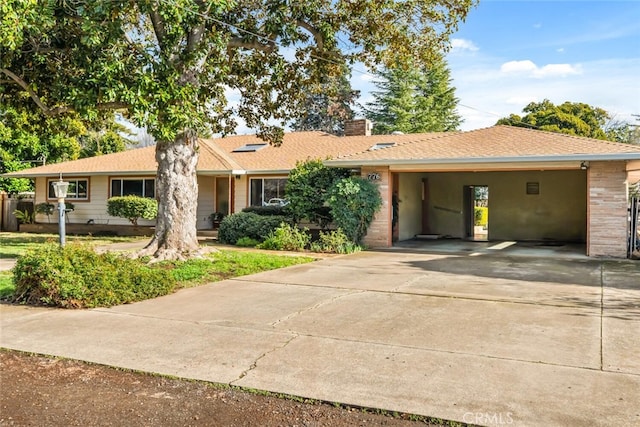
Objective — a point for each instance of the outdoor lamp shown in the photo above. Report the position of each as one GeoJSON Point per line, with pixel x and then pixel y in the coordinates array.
{"type": "Point", "coordinates": [60, 190]}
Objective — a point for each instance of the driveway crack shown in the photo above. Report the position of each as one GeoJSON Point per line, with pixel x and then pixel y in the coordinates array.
{"type": "Point", "coordinates": [314, 307]}
{"type": "Point", "coordinates": [254, 365]}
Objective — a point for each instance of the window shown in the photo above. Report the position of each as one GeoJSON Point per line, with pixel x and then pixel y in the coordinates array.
{"type": "Point", "coordinates": [249, 148]}
{"type": "Point", "coordinates": [263, 189]}
{"type": "Point", "coordinates": [381, 145]}
{"type": "Point", "coordinates": [78, 189]}
{"type": "Point", "coordinates": [133, 187]}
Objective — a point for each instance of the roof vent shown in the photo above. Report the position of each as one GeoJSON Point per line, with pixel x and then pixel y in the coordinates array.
{"type": "Point", "coordinates": [249, 148]}
{"type": "Point", "coordinates": [382, 145]}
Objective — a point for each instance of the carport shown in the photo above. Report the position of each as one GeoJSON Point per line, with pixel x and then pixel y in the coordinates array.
{"type": "Point", "coordinates": [535, 186]}
{"type": "Point", "coordinates": [525, 205]}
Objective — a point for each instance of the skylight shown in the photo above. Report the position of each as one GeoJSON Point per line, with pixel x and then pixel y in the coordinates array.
{"type": "Point", "coordinates": [249, 148]}
{"type": "Point", "coordinates": [382, 145]}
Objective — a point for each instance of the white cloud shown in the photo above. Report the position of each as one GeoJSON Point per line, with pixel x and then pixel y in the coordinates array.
{"type": "Point", "coordinates": [531, 69]}
{"type": "Point", "coordinates": [561, 70]}
{"type": "Point", "coordinates": [560, 50]}
{"type": "Point", "coordinates": [518, 66]}
{"type": "Point", "coordinates": [463, 45]}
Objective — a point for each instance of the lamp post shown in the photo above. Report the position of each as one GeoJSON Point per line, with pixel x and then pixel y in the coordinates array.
{"type": "Point", "coordinates": [60, 189]}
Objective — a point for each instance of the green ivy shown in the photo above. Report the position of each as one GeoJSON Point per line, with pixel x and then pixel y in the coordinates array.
{"type": "Point", "coordinates": [354, 202]}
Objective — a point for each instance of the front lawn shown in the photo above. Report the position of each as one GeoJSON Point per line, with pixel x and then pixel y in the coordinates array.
{"type": "Point", "coordinates": [77, 277]}
{"type": "Point", "coordinates": [14, 244]}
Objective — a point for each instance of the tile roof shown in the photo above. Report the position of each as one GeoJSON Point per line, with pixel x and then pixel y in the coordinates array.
{"type": "Point", "coordinates": [217, 156]}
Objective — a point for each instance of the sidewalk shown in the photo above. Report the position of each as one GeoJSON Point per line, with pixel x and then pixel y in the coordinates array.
{"type": "Point", "coordinates": [485, 340]}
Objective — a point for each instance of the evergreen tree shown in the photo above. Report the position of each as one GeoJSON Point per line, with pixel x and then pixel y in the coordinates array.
{"type": "Point", "coordinates": [328, 106]}
{"type": "Point", "coordinates": [414, 100]}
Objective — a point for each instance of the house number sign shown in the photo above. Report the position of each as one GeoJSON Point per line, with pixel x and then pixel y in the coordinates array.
{"type": "Point", "coordinates": [373, 176]}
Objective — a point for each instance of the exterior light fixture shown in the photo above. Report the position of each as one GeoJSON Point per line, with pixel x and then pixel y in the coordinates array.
{"type": "Point", "coordinates": [584, 166]}
{"type": "Point", "coordinates": [60, 190]}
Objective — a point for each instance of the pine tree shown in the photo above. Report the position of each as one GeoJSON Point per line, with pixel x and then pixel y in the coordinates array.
{"type": "Point", "coordinates": [413, 100]}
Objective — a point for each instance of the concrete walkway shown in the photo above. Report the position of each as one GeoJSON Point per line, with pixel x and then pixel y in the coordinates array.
{"type": "Point", "coordinates": [484, 339]}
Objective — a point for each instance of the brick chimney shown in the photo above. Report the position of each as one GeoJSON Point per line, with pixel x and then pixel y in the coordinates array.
{"type": "Point", "coordinates": [358, 127]}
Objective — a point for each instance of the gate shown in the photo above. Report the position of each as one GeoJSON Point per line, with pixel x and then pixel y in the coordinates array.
{"type": "Point", "coordinates": [633, 250]}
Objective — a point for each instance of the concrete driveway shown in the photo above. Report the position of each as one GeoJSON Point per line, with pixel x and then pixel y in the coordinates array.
{"type": "Point", "coordinates": [485, 339]}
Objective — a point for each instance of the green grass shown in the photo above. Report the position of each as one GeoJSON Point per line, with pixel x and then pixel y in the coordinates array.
{"type": "Point", "coordinates": [214, 267]}
{"type": "Point", "coordinates": [6, 284]}
{"type": "Point", "coordinates": [13, 245]}
{"type": "Point", "coordinates": [227, 264]}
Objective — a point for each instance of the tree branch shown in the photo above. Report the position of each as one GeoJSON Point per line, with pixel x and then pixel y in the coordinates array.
{"type": "Point", "coordinates": [26, 87]}
{"type": "Point", "coordinates": [314, 32]}
{"type": "Point", "coordinates": [50, 112]}
{"type": "Point", "coordinates": [238, 43]}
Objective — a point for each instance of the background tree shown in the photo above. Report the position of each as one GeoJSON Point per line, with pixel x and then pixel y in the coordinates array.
{"type": "Point", "coordinates": [573, 118]}
{"type": "Point", "coordinates": [169, 64]}
{"type": "Point", "coordinates": [111, 138]}
{"type": "Point", "coordinates": [414, 100]}
{"type": "Point", "coordinates": [328, 106]}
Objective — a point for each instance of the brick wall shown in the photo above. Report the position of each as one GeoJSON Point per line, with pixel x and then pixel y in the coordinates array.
{"type": "Point", "coordinates": [379, 233]}
{"type": "Point", "coordinates": [607, 209]}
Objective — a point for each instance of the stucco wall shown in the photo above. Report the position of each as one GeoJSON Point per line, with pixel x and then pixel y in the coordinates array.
{"type": "Point", "coordinates": [558, 212]}
{"type": "Point", "coordinates": [410, 205]}
{"type": "Point", "coordinates": [608, 204]}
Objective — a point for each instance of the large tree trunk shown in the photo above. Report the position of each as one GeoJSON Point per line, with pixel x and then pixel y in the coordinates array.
{"type": "Point", "coordinates": [177, 193]}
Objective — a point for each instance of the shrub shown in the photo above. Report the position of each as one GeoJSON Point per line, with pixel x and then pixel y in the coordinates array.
{"type": "Point", "coordinates": [247, 224]}
{"type": "Point", "coordinates": [354, 201]}
{"type": "Point", "coordinates": [77, 277]}
{"type": "Point", "coordinates": [307, 190]}
{"type": "Point", "coordinates": [24, 217]}
{"type": "Point", "coordinates": [132, 208]}
{"type": "Point", "coordinates": [45, 209]}
{"type": "Point", "coordinates": [286, 238]}
{"type": "Point", "coordinates": [334, 242]}
{"type": "Point", "coordinates": [266, 210]}
{"type": "Point", "coordinates": [481, 216]}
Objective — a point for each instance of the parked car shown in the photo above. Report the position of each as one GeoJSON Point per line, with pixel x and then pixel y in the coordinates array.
{"type": "Point", "coordinates": [276, 202]}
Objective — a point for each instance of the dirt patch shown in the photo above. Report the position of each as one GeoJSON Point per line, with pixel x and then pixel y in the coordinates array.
{"type": "Point", "coordinates": [43, 391]}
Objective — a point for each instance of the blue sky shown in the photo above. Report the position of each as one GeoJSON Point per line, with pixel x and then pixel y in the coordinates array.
{"type": "Point", "coordinates": [509, 53]}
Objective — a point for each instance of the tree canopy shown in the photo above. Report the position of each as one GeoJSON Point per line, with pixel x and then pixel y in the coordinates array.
{"type": "Point", "coordinates": [573, 118]}
{"type": "Point", "coordinates": [171, 65]}
{"type": "Point", "coordinates": [414, 100]}
{"type": "Point", "coordinates": [328, 105]}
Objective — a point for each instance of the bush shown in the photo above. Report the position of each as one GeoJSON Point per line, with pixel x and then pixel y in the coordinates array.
{"type": "Point", "coordinates": [286, 238]}
{"type": "Point", "coordinates": [45, 209]}
{"type": "Point", "coordinates": [266, 210]}
{"type": "Point", "coordinates": [77, 277]}
{"type": "Point", "coordinates": [354, 201]}
{"type": "Point", "coordinates": [247, 224]}
{"type": "Point", "coordinates": [307, 191]}
{"type": "Point", "coordinates": [481, 216]}
{"type": "Point", "coordinates": [132, 208]}
{"type": "Point", "coordinates": [334, 242]}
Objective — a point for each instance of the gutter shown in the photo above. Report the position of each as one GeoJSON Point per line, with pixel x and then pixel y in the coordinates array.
{"type": "Point", "coordinates": [486, 160]}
